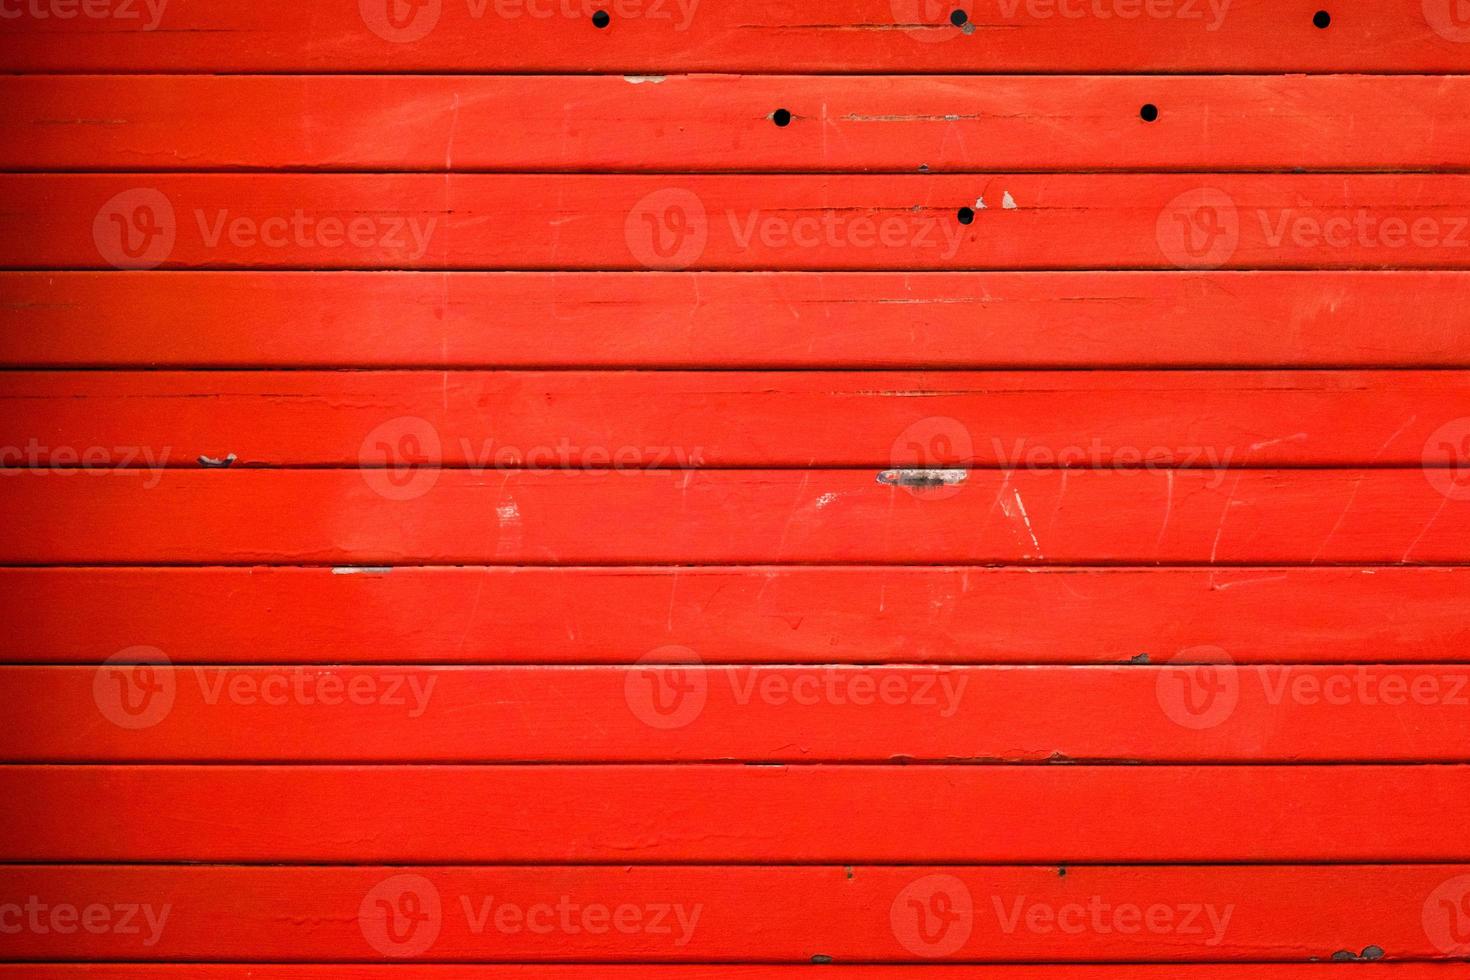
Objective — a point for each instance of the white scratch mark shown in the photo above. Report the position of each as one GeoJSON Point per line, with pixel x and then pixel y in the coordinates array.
{"type": "Point", "coordinates": [1258, 446]}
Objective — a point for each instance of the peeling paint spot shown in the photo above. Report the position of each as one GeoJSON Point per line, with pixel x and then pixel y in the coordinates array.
{"type": "Point", "coordinates": [923, 478]}
{"type": "Point", "coordinates": [218, 464]}
{"type": "Point", "coordinates": [1008, 202]}
{"type": "Point", "coordinates": [821, 958]}
{"type": "Point", "coordinates": [640, 79]}
{"type": "Point", "coordinates": [362, 570]}
{"type": "Point", "coordinates": [1142, 658]}
{"type": "Point", "coordinates": [980, 203]}
{"type": "Point", "coordinates": [825, 499]}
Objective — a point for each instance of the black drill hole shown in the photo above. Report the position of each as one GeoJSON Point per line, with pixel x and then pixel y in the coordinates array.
{"type": "Point", "coordinates": [959, 18]}
{"type": "Point", "coordinates": [601, 19]}
{"type": "Point", "coordinates": [781, 117]}
{"type": "Point", "coordinates": [966, 216]}
{"type": "Point", "coordinates": [1322, 19]}
{"type": "Point", "coordinates": [1149, 112]}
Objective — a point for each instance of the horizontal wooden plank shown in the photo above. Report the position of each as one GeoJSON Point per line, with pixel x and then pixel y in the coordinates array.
{"type": "Point", "coordinates": [791, 915]}
{"type": "Point", "coordinates": [734, 814]}
{"type": "Point", "coordinates": [676, 420]}
{"type": "Point", "coordinates": [857, 222]}
{"type": "Point", "coordinates": [760, 35]}
{"type": "Point", "coordinates": [701, 123]}
{"type": "Point", "coordinates": [733, 320]}
{"type": "Point", "coordinates": [453, 517]}
{"type": "Point", "coordinates": [733, 914]}
{"type": "Point", "coordinates": [409, 971]}
{"type": "Point", "coordinates": [787, 615]}
{"type": "Point", "coordinates": [674, 709]}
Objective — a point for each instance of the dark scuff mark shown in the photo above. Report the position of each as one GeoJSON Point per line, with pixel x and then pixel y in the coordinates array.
{"type": "Point", "coordinates": [209, 462]}
{"type": "Point", "coordinates": [1142, 658]}
{"type": "Point", "coordinates": [923, 478]}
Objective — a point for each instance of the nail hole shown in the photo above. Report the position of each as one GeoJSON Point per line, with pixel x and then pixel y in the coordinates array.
{"type": "Point", "coordinates": [959, 18]}
{"type": "Point", "coordinates": [1322, 19]}
{"type": "Point", "coordinates": [1149, 112]}
{"type": "Point", "coordinates": [781, 117]}
{"type": "Point", "coordinates": [601, 19]}
{"type": "Point", "coordinates": [967, 216]}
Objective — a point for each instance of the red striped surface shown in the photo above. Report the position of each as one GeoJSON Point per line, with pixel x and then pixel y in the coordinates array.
{"type": "Point", "coordinates": [735, 320]}
{"type": "Point", "coordinates": [666, 420]}
{"type": "Point", "coordinates": [1018, 515]}
{"type": "Point", "coordinates": [407, 515]}
{"type": "Point", "coordinates": [776, 615]}
{"type": "Point", "coordinates": [846, 914]}
{"type": "Point", "coordinates": [751, 36]}
{"type": "Point", "coordinates": [723, 122]}
{"type": "Point", "coordinates": [621, 815]}
{"type": "Point", "coordinates": [517, 221]}
{"type": "Point", "coordinates": [696, 713]}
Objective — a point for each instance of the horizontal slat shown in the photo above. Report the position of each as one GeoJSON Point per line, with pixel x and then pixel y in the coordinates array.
{"type": "Point", "coordinates": [734, 814]}
{"type": "Point", "coordinates": [857, 222]}
{"type": "Point", "coordinates": [761, 35]}
{"type": "Point", "coordinates": [732, 320]}
{"type": "Point", "coordinates": [723, 914]}
{"type": "Point", "coordinates": [453, 517]}
{"type": "Point", "coordinates": [736, 615]}
{"type": "Point", "coordinates": [695, 713]}
{"type": "Point", "coordinates": [674, 420]}
{"type": "Point", "coordinates": [408, 971]}
{"type": "Point", "coordinates": [724, 123]}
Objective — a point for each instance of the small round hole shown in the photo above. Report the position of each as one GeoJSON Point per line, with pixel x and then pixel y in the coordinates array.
{"type": "Point", "coordinates": [1322, 19]}
{"type": "Point", "coordinates": [966, 216]}
{"type": "Point", "coordinates": [1149, 112]}
{"type": "Point", "coordinates": [601, 19]}
{"type": "Point", "coordinates": [781, 117]}
{"type": "Point", "coordinates": [959, 18]}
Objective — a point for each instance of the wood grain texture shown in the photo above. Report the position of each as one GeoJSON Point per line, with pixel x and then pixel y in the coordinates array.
{"type": "Point", "coordinates": [734, 320]}
{"type": "Point", "coordinates": [674, 420]}
{"type": "Point", "coordinates": [758, 36]}
{"type": "Point", "coordinates": [621, 815]}
{"type": "Point", "coordinates": [694, 713]}
{"type": "Point", "coordinates": [703, 123]}
{"type": "Point", "coordinates": [438, 517]}
{"type": "Point", "coordinates": [721, 914]}
{"type": "Point", "coordinates": [774, 615]}
{"type": "Point", "coordinates": [800, 222]}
